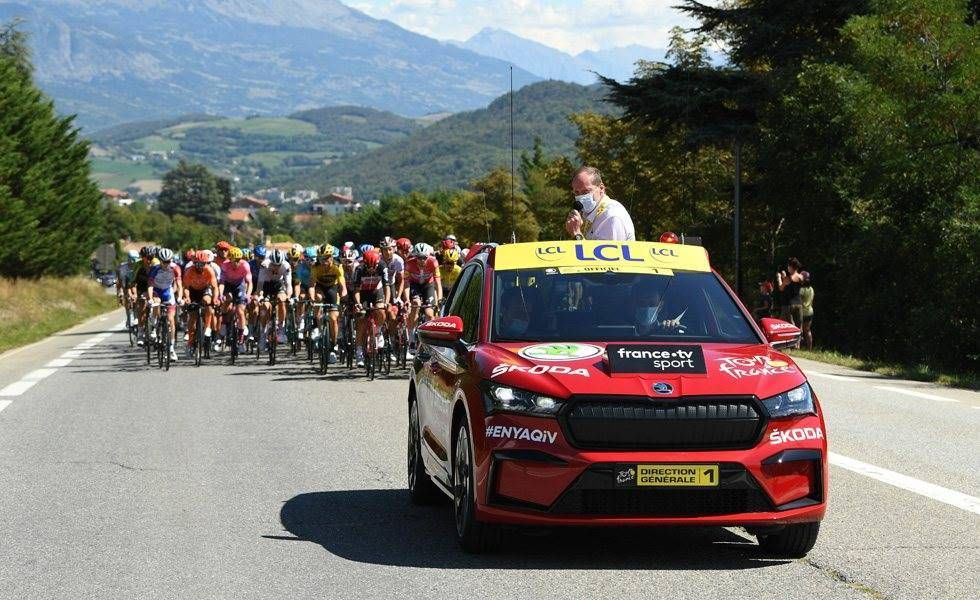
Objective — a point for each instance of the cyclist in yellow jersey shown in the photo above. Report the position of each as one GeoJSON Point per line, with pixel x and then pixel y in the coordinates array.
{"type": "Point", "coordinates": [449, 268]}
{"type": "Point", "coordinates": [327, 285]}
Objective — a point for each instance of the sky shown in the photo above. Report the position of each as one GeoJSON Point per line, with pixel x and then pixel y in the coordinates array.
{"type": "Point", "coordinates": [569, 25]}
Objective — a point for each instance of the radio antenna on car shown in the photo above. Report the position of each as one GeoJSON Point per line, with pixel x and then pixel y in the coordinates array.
{"type": "Point", "coordinates": [513, 175]}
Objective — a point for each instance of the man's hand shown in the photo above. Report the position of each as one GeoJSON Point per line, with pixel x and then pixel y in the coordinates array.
{"type": "Point", "coordinates": [573, 224]}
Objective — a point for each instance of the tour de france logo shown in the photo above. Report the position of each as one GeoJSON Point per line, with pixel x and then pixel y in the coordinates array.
{"type": "Point", "coordinates": [560, 351]}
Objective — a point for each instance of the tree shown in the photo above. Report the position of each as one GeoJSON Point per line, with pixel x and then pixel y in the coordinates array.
{"type": "Point", "coordinates": [14, 45]}
{"type": "Point", "coordinates": [192, 191]}
{"type": "Point", "coordinates": [50, 209]}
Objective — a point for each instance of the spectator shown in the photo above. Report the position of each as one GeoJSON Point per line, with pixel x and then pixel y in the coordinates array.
{"type": "Point", "coordinates": [763, 302]}
{"type": "Point", "coordinates": [596, 216]}
{"type": "Point", "coordinates": [806, 297]}
{"type": "Point", "coordinates": [790, 281]}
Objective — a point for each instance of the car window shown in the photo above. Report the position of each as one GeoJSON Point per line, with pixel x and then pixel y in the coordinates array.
{"type": "Point", "coordinates": [549, 305]}
{"type": "Point", "coordinates": [466, 304]}
{"type": "Point", "coordinates": [451, 306]}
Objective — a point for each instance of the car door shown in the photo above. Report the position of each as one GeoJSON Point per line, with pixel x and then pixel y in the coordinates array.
{"type": "Point", "coordinates": [442, 367]}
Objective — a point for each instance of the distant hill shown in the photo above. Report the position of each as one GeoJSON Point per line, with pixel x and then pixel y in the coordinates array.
{"type": "Point", "coordinates": [113, 61]}
{"type": "Point", "coordinates": [258, 151]}
{"type": "Point", "coordinates": [550, 63]}
{"type": "Point", "coordinates": [459, 148]}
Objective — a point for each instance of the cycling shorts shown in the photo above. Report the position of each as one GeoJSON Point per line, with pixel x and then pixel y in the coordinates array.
{"type": "Point", "coordinates": [165, 295]}
{"type": "Point", "coordinates": [330, 294]}
{"type": "Point", "coordinates": [372, 297]}
{"type": "Point", "coordinates": [197, 296]}
{"type": "Point", "coordinates": [425, 291]}
{"type": "Point", "coordinates": [271, 289]}
{"type": "Point", "coordinates": [236, 293]}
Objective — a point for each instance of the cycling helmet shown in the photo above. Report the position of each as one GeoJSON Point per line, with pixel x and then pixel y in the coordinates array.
{"type": "Point", "coordinates": [372, 258]}
{"type": "Point", "coordinates": [153, 252]}
{"type": "Point", "coordinates": [144, 251]}
{"type": "Point", "coordinates": [348, 245]}
{"type": "Point", "coordinates": [277, 257]}
{"type": "Point", "coordinates": [297, 248]}
{"type": "Point", "coordinates": [202, 256]}
{"type": "Point", "coordinates": [165, 254]}
{"type": "Point", "coordinates": [189, 255]}
{"type": "Point", "coordinates": [451, 237]}
{"type": "Point", "coordinates": [447, 244]}
{"type": "Point", "coordinates": [387, 242]}
{"type": "Point", "coordinates": [132, 256]}
{"type": "Point", "coordinates": [327, 251]}
{"type": "Point", "coordinates": [247, 253]}
{"type": "Point", "coordinates": [294, 254]}
{"type": "Point", "coordinates": [235, 253]}
{"type": "Point", "coordinates": [223, 245]}
{"type": "Point", "coordinates": [309, 252]}
{"type": "Point", "coordinates": [365, 248]}
{"type": "Point", "coordinates": [422, 250]}
{"type": "Point", "coordinates": [450, 255]}
{"type": "Point", "coordinates": [260, 251]}
{"type": "Point", "coordinates": [210, 255]}
{"type": "Point", "coordinates": [350, 255]}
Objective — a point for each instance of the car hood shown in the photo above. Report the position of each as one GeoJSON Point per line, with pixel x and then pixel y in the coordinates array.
{"type": "Point", "coordinates": [563, 370]}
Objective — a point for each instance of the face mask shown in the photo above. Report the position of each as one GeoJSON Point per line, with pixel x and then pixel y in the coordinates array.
{"type": "Point", "coordinates": [517, 327]}
{"type": "Point", "coordinates": [585, 203]}
{"type": "Point", "coordinates": [646, 315]}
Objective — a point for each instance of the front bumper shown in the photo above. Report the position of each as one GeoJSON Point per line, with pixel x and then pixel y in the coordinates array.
{"type": "Point", "coordinates": [775, 482]}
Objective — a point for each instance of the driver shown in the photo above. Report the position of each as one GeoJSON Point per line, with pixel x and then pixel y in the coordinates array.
{"type": "Point", "coordinates": [516, 308]}
{"type": "Point", "coordinates": [648, 310]}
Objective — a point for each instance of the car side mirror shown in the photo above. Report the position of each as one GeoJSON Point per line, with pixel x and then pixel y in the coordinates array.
{"type": "Point", "coordinates": [443, 331]}
{"type": "Point", "coordinates": [780, 334]}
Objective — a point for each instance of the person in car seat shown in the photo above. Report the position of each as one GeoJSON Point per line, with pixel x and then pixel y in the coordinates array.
{"type": "Point", "coordinates": [516, 308]}
{"type": "Point", "coordinates": [649, 315]}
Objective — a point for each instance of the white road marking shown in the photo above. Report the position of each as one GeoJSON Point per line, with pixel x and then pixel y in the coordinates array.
{"type": "Point", "coordinates": [39, 374]}
{"type": "Point", "coordinates": [58, 362]}
{"type": "Point", "coordinates": [897, 390]}
{"type": "Point", "coordinates": [832, 376]}
{"type": "Point", "coordinates": [73, 354]}
{"type": "Point", "coordinates": [917, 486]}
{"type": "Point", "coordinates": [17, 388]}
{"type": "Point", "coordinates": [4, 404]}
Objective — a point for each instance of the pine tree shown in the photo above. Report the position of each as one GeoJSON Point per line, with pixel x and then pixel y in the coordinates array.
{"type": "Point", "coordinates": [50, 210]}
{"type": "Point", "coordinates": [192, 191]}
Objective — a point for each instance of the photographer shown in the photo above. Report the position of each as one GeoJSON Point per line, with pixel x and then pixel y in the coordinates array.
{"type": "Point", "coordinates": [789, 282]}
{"type": "Point", "coordinates": [595, 215]}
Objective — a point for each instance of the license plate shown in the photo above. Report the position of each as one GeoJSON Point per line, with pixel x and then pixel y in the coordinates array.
{"type": "Point", "coordinates": [667, 475]}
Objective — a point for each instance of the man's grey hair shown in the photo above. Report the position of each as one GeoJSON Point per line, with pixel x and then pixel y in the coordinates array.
{"type": "Point", "coordinates": [592, 172]}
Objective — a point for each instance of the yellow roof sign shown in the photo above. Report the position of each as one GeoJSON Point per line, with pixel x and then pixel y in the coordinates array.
{"type": "Point", "coordinates": [594, 253]}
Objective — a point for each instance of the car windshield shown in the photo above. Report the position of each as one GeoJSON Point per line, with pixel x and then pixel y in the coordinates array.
{"type": "Point", "coordinates": [546, 305]}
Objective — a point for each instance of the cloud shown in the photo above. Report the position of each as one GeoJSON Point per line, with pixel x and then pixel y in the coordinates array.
{"type": "Point", "coordinates": [570, 25]}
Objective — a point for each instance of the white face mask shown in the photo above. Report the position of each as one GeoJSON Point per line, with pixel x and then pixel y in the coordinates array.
{"type": "Point", "coordinates": [587, 201]}
{"type": "Point", "coordinates": [646, 315]}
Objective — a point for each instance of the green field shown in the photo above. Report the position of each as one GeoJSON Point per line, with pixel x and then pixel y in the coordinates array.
{"type": "Point", "coordinates": [120, 173]}
{"type": "Point", "coordinates": [267, 125]}
{"type": "Point", "coordinates": [156, 143]}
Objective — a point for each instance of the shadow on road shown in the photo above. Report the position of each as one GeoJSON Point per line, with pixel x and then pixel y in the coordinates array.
{"type": "Point", "coordinates": [379, 526]}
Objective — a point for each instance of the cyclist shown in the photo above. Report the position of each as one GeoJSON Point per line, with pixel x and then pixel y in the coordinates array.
{"type": "Point", "coordinates": [327, 286]}
{"type": "Point", "coordinates": [147, 261]}
{"type": "Point", "coordinates": [275, 281]}
{"type": "Point", "coordinates": [372, 292]}
{"type": "Point", "coordinates": [200, 285]}
{"type": "Point", "coordinates": [301, 282]}
{"type": "Point", "coordinates": [125, 281]}
{"type": "Point", "coordinates": [236, 280]}
{"type": "Point", "coordinates": [449, 268]}
{"type": "Point", "coordinates": [163, 282]}
{"type": "Point", "coordinates": [425, 284]}
{"type": "Point", "coordinates": [260, 254]}
{"type": "Point", "coordinates": [396, 271]}
{"type": "Point", "coordinates": [221, 250]}
{"type": "Point", "coordinates": [350, 260]}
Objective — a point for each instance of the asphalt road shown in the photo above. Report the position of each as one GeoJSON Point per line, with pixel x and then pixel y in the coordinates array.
{"type": "Point", "coordinates": [118, 480]}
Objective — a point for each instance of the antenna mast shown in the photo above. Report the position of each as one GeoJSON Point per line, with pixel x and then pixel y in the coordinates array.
{"type": "Point", "coordinates": [513, 176]}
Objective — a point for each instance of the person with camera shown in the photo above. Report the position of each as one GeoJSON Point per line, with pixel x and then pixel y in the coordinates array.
{"type": "Point", "coordinates": [596, 216]}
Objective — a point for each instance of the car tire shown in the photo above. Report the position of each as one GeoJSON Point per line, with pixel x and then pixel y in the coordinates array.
{"type": "Point", "coordinates": [794, 541]}
{"type": "Point", "coordinates": [475, 537]}
{"type": "Point", "coordinates": [421, 490]}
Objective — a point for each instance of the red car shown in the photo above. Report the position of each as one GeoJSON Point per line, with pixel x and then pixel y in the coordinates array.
{"type": "Point", "coordinates": [610, 383]}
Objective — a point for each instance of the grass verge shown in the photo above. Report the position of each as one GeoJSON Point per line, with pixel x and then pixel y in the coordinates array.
{"type": "Point", "coordinates": [911, 372]}
{"type": "Point", "coordinates": [32, 309]}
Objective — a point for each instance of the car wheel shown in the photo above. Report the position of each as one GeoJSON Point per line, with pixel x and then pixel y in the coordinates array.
{"type": "Point", "coordinates": [474, 537]}
{"type": "Point", "coordinates": [421, 490]}
{"type": "Point", "coordinates": [794, 541]}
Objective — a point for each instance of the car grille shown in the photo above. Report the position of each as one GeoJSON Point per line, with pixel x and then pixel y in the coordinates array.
{"type": "Point", "coordinates": [683, 424]}
{"type": "Point", "coordinates": [660, 503]}
{"type": "Point", "coordinates": [595, 493]}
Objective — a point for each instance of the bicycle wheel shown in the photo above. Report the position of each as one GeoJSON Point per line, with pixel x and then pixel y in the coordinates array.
{"type": "Point", "coordinates": [159, 342]}
{"type": "Point", "coordinates": [129, 323]}
{"type": "Point", "coordinates": [273, 336]}
{"type": "Point", "coordinates": [370, 348]}
{"type": "Point", "coordinates": [198, 336]}
{"type": "Point", "coordinates": [324, 346]}
{"type": "Point", "coordinates": [232, 329]}
{"type": "Point", "coordinates": [166, 343]}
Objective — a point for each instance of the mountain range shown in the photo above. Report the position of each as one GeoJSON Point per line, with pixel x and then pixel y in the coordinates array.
{"type": "Point", "coordinates": [549, 63]}
{"type": "Point", "coordinates": [112, 61]}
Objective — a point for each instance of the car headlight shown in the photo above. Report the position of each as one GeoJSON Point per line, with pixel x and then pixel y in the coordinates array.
{"type": "Point", "coordinates": [506, 398]}
{"type": "Point", "coordinates": [797, 401]}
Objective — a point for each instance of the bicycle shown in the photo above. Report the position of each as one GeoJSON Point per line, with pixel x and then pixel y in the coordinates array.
{"type": "Point", "coordinates": [131, 323]}
{"type": "Point", "coordinates": [348, 338]}
{"type": "Point", "coordinates": [163, 339]}
{"type": "Point", "coordinates": [232, 332]}
{"type": "Point", "coordinates": [147, 316]}
{"type": "Point", "coordinates": [399, 340]}
{"type": "Point", "coordinates": [323, 345]}
{"type": "Point", "coordinates": [373, 358]}
{"type": "Point", "coordinates": [202, 349]}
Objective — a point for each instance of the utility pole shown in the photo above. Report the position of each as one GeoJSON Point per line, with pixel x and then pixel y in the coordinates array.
{"type": "Point", "coordinates": [738, 217]}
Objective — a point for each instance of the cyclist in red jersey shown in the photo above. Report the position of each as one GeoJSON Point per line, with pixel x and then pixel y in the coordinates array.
{"type": "Point", "coordinates": [425, 285]}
